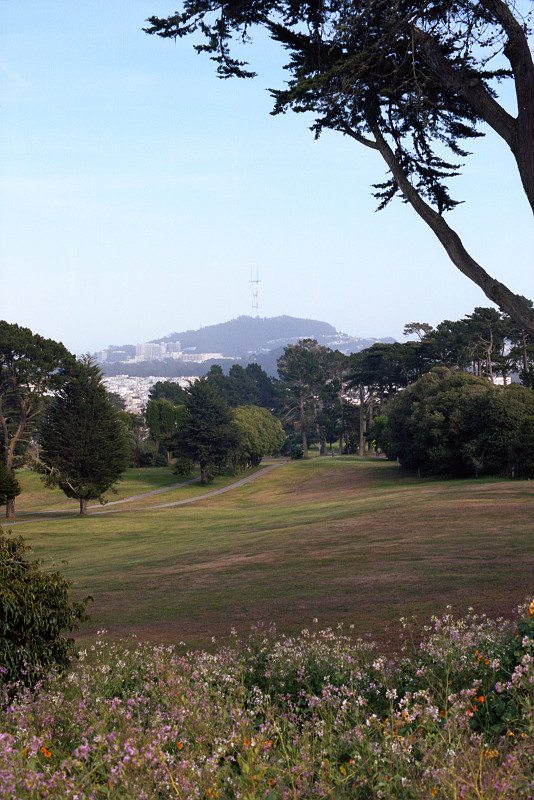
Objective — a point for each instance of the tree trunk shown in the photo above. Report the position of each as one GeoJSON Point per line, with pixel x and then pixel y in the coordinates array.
{"type": "Point", "coordinates": [83, 506]}
{"type": "Point", "coordinates": [203, 472]}
{"type": "Point", "coordinates": [304, 444]}
{"type": "Point", "coordinates": [362, 422]}
{"type": "Point", "coordinates": [10, 508]}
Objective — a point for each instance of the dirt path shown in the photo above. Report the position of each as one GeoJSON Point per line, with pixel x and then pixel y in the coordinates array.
{"type": "Point", "coordinates": [106, 510]}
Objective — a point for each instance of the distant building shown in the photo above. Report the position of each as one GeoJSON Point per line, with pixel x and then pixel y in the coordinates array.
{"type": "Point", "coordinates": [149, 351]}
{"type": "Point", "coordinates": [198, 358]}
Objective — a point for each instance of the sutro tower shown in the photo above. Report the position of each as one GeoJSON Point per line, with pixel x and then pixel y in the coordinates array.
{"type": "Point", "coordinates": [254, 281]}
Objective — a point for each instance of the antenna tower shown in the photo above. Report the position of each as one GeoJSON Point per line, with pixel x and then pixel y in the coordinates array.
{"type": "Point", "coordinates": [254, 281]}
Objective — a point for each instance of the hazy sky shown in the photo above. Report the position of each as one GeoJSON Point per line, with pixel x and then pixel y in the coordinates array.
{"type": "Point", "coordinates": [139, 194]}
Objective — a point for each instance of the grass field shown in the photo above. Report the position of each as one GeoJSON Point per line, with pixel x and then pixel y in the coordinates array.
{"type": "Point", "coordinates": [342, 540]}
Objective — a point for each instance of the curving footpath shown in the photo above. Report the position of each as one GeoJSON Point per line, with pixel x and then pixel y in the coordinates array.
{"type": "Point", "coordinates": [68, 514]}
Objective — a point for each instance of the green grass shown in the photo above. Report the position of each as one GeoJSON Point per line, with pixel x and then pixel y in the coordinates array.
{"type": "Point", "coordinates": [345, 540]}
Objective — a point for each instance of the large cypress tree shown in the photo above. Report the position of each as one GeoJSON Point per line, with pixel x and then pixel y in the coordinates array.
{"type": "Point", "coordinates": [84, 448]}
{"type": "Point", "coordinates": [30, 367]}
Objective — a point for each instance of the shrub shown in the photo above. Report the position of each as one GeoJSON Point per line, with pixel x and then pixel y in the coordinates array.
{"type": "Point", "coordinates": [34, 611]}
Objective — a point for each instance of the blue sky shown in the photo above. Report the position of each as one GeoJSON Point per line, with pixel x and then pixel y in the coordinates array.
{"type": "Point", "coordinates": [139, 194]}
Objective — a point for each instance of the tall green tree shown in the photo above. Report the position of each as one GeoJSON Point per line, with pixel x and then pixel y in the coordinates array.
{"type": "Point", "coordinates": [301, 378]}
{"type": "Point", "coordinates": [30, 367]}
{"type": "Point", "coordinates": [84, 446]}
{"type": "Point", "coordinates": [413, 80]}
{"type": "Point", "coordinates": [208, 435]}
{"type": "Point", "coordinates": [167, 390]}
{"type": "Point", "coordinates": [261, 434]}
{"type": "Point", "coordinates": [164, 421]}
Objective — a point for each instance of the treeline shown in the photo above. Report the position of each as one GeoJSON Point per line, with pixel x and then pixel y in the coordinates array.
{"type": "Point", "coordinates": [431, 403]}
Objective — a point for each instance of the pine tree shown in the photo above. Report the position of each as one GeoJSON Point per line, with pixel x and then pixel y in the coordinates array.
{"type": "Point", "coordinates": [210, 435]}
{"type": "Point", "coordinates": [84, 448]}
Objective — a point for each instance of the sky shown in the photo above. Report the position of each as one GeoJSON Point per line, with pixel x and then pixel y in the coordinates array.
{"type": "Point", "coordinates": [140, 195]}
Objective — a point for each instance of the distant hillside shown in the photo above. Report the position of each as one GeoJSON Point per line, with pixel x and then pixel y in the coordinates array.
{"type": "Point", "coordinates": [240, 341]}
{"type": "Point", "coordinates": [249, 335]}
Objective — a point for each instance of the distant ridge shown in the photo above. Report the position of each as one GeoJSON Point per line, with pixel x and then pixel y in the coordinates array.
{"type": "Point", "coordinates": [243, 340]}
{"type": "Point", "coordinates": [249, 334]}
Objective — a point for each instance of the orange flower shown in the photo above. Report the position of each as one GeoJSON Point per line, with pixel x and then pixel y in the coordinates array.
{"type": "Point", "coordinates": [179, 745]}
{"type": "Point", "coordinates": [442, 712]}
{"type": "Point", "coordinates": [45, 752]}
{"type": "Point", "coordinates": [531, 609]}
{"type": "Point", "coordinates": [24, 751]}
{"type": "Point", "coordinates": [481, 699]}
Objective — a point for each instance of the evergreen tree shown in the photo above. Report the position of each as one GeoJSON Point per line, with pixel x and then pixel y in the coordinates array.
{"type": "Point", "coordinates": [9, 485]}
{"type": "Point", "coordinates": [209, 435]}
{"type": "Point", "coordinates": [30, 367]}
{"type": "Point", "coordinates": [84, 448]}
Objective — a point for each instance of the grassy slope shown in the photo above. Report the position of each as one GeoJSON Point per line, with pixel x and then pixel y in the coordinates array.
{"type": "Point", "coordinates": [343, 540]}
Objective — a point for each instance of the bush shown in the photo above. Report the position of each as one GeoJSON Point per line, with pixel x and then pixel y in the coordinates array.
{"type": "Point", "coordinates": [184, 467]}
{"type": "Point", "coordinates": [34, 611]}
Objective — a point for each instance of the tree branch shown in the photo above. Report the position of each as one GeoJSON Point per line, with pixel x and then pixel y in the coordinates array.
{"type": "Point", "coordinates": [471, 89]}
{"type": "Point", "coordinates": [493, 289]}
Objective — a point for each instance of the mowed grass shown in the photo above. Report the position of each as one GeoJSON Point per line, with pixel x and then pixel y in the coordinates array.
{"type": "Point", "coordinates": [343, 540]}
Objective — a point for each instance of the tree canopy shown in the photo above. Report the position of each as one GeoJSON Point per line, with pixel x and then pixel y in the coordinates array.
{"type": "Point", "coordinates": [84, 449]}
{"type": "Point", "coordinates": [453, 422]}
{"type": "Point", "coordinates": [414, 80]}
{"type": "Point", "coordinates": [208, 435]}
{"type": "Point", "coordinates": [30, 367]}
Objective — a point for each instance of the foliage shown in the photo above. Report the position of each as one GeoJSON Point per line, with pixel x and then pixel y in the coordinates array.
{"type": "Point", "coordinates": [208, 435]}
{"type": "Point", "coordinates": [411, 80]}
{"type": "Point", "coordinates": [243, 386]}
{"type": "Point", "coordinates": [453, 422]}
{"type": "Point", "coordinates": [30, 367]}
{"type": "Point", "coordinates": [136, 432]}
{"type": "Point", "coordinates": [302, 373]}
{"type": "Point", "coordinates": [9, 485]}
{"type": "Point", "coordinates": [167, 390]}
{"type": "Point", "coordinates": [523, 448]}
{"type": "Point", "coordinates": [261, 434]}
{"type": "Point", "coordinates": [165, 422]}
{"type": "Point", "coordinates": [84, 447]}
{"type": "Point", "coordinates": [34, 613]}
{"type": "Point", "coordinates": [315, 715]}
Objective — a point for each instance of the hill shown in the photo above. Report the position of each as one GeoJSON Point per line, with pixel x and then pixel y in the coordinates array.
{"type": "Point", "coordinates": [242, 341]}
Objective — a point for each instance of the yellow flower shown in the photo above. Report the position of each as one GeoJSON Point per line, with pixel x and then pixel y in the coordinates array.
{"type": "Point", "coordinates": [531, 609]}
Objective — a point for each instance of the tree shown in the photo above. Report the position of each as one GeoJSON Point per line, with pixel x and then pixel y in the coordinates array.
{"type": "Point", "coordinates": [260, 434]}
{"type": "Point", "coordinates": [451, 422]}
{"type": "Point", "coordinates": [164, 421]}
{"type": "Point", "coordinates": [30, 367]}
{"type": "Point", "coordinates": [167, 390]}
{"type": "Point", "coordinates": [412, 80]}
{"type": "Point", "coordinates": [209, 435]}
{"type": "Point", "coordinates": [265, 387]}
{"type": "Point", "coordinates": [301, 376]}
{"type": "Point", "coordinates": [34, 613]}
{"type": "Point", "coordinates": [84, 446]}
{"type": "Point", "coordinates": [9, 485]}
